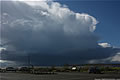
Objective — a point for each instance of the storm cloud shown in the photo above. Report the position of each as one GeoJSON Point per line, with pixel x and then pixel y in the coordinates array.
{"type": "Point", "coordinates": [52, 27]}
{"type": "Point", "coordinates": [50, 32]}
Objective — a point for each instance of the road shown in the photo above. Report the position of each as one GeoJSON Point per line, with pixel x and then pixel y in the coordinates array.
{"type": "Point", "coordinates": [59, 76]}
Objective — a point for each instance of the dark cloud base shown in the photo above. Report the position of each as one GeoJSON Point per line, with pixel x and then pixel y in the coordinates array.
{"type": "Point", "coordinates": [71, 57]}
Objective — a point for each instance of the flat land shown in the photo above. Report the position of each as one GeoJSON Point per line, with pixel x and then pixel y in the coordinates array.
{"type": "Point", "coordinates": [58, 76]}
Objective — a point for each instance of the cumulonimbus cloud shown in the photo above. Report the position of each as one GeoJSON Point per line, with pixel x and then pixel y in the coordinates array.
{"type": "Point", "coordinates": [48, 30]}
{"type": "Point", "coordinates": [42, 25]}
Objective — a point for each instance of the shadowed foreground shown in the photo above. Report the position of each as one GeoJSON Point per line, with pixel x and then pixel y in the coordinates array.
{"type": "Point", "coordinates": [59, 76]}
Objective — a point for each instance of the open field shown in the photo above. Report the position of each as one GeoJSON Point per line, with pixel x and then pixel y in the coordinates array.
{"type": "Point", "coordinates": [58, 76]}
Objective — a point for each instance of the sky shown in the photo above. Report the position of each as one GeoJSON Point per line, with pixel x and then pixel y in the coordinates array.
{"type": "Point", "coordinates": [59, 32]}
{"type": "Point", "coordinates": [106, 12]}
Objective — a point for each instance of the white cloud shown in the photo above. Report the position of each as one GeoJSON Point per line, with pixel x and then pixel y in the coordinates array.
{"type": "Point", "coordinates": [110, 59]}
{"type": "Point", "coordinates": [104, 45]}
{"type": "Point", "coordinates": [116, 58]}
